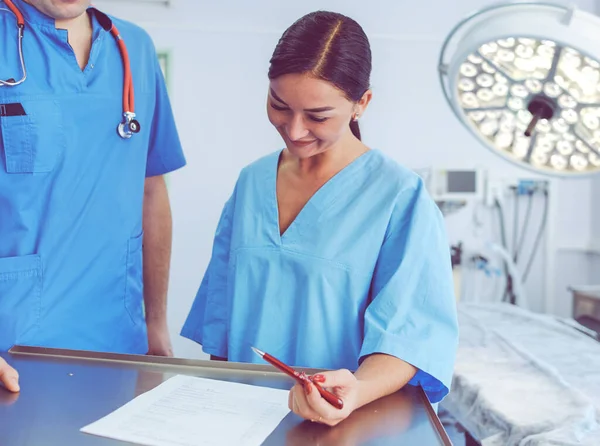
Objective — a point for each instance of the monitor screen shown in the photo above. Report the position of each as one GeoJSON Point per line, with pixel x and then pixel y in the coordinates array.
{"type": "Point", "coordinates": [461, 181]}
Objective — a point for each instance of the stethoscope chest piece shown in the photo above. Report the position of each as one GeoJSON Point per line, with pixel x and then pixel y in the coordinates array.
{"type": "Point", "coordinates": [129, 126]}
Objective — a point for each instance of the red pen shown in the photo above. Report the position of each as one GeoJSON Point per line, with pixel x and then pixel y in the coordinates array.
{"type": "Point", "coordinates": [301, 378]}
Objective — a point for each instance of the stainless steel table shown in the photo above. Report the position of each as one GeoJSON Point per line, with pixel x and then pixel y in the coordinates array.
{"type": "Point", "coordinates": [64, 390]}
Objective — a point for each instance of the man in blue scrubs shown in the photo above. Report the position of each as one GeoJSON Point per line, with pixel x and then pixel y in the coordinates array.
{"type": "Point", "coordinates": [85, 222]}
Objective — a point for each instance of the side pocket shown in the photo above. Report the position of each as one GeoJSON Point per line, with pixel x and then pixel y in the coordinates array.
{"type": "Point", "coordinates": [134, 282]}
{"type": "Point", "coordinates": [20, 299]}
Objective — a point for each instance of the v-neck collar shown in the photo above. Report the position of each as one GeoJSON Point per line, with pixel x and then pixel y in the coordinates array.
{"type": "Point", "coordinates": [59, 37]}
{"type": "Point", "coordinates": [317, 203]}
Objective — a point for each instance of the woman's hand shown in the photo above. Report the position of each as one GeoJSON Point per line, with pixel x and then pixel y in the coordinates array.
{"type": "Point", "coordinates": [305, 400]}
{"type": "Point", "coordinates": [378, 375]}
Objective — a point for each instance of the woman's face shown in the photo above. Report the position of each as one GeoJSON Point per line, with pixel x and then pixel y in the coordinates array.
{"type": "Point", "coordinates": [310, 114]}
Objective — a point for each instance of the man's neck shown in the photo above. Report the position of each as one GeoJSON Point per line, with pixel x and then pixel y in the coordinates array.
{"type": "Point", "coordinates": [78, 27]}
{"type": "Point", "coordinates": [80, 33]}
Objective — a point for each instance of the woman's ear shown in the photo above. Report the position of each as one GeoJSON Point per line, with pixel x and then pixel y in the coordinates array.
{"type": "Point", "coordinates": [363, 103]}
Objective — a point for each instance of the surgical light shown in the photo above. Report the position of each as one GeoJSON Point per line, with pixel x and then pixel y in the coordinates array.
{"type": "Point", "coordinates": [524, 78]}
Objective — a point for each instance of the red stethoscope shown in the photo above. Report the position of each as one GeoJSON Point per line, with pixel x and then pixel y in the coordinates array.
{"type": "Point", "coordinates": [129, 125]}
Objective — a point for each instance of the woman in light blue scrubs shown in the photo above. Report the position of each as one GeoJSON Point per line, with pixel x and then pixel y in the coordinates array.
{"type": "Point", "coordinates": [329, 254]}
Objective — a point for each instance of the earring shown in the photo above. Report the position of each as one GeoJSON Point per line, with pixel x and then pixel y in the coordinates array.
{"type": "Point", "coordinates": [355, 117]}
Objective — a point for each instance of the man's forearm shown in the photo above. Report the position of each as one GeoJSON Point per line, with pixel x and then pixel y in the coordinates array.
{"type": "Point", "coordinates": [157, 248]}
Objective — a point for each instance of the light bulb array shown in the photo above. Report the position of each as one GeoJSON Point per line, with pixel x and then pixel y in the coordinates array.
{"type": "Point", "coordinates": [535, 101]}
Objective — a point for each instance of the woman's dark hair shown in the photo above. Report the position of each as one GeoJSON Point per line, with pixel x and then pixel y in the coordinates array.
{"type": "Point", "coordinates": [330, 46]}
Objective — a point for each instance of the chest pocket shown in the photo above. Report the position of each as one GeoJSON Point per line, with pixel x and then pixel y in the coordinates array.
{"type": "Point", "coordinates": [32, 142]}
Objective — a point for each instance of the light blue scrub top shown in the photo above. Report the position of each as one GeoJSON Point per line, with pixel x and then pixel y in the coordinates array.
{"type": "Point", "coordinates": [71, 189]}
{"type": "Point", "coordinates": [364, 268]}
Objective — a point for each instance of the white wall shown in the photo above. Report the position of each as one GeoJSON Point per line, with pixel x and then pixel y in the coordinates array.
{"type": "Point", "coordinates": [220, 52]}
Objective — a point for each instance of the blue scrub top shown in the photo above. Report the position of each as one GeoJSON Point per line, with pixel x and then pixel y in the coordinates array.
{"type": "Point", "coordinates": [71, 189]}
{"type": "Point", "coordinates": [364, 268]}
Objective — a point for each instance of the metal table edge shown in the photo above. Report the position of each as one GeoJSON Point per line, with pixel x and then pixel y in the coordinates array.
{"type": "Point", "coordinates": [20, 350]}
{"type": "Point", "coordinates": [435, 420]}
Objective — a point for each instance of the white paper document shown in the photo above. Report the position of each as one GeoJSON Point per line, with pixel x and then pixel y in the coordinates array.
{"type": "Point", "coordinates": [191, 411]}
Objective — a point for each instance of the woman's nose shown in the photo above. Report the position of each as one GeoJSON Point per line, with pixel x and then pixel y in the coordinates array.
{"type": "Point", "coordinates": [296, 129]}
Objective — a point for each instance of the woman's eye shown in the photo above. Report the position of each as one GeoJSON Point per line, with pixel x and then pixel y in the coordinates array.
{"type": "Point", "coordinates": [281, 108]}
{"type": "Point", "coordinates": [278, 107]}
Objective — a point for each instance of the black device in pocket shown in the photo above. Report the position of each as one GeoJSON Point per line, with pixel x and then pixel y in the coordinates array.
{"type": "Point", "coordinates": [14, 109]}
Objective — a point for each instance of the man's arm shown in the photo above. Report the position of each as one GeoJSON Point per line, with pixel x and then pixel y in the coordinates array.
{"type": "Point", "coordinates": [157, 258]}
